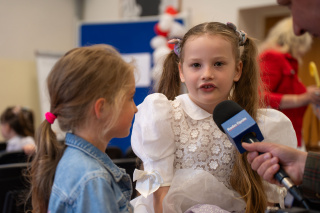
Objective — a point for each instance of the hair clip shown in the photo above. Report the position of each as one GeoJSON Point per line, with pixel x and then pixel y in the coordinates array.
{"type": "Point", "coordinates": [242, 35]}
{"type": "Point", "coordinates": [177, 47]}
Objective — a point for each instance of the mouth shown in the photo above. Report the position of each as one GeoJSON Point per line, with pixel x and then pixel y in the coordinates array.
{"type": "Point", "coordinates": [207, 87]}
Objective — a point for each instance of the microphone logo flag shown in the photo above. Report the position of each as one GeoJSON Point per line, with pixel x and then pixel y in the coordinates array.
{"type": "Point", "coordinates": [240, 125]}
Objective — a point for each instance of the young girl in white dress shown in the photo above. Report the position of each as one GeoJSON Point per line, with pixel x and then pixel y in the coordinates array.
{"type": "Point", "coordinates": [187, 160]}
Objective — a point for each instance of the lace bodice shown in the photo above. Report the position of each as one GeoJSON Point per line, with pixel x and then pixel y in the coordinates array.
{"type": "Point", "coordinates": [181, 147]}
{"type": "Point", "coordinates": [201, 145]}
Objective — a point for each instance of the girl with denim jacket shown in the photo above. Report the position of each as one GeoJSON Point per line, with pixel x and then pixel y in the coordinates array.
{"type": "Point", "coordinates": [91, 93]}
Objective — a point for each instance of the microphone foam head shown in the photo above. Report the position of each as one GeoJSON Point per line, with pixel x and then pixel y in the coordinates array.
{"type": "Point", "coordinates": [224, 111]}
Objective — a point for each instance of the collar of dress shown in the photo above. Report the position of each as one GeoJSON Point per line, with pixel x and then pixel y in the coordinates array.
{"type": "Point", "coordinates": [192, 110]}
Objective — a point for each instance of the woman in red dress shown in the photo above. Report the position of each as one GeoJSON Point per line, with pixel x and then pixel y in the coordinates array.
{"type": "Point", "coordinates": [280, 56]}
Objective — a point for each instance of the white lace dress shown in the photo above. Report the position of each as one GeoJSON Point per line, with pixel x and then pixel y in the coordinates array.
{"type": "Point", "coordinates": [181, 147]}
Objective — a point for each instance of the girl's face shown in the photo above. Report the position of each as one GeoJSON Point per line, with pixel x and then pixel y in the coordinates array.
{"type": "Point", "coordinates": [5, 130]}
{"type": "Point", "coordinates": [209, 70]}
{"type": "Point", "coordinates": [122, 127]}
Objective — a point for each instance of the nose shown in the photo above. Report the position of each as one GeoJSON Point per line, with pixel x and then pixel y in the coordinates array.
{"type": "Point", "coordinates": [297, 30]}
{"type": "Point", "coordinates": [207, 74]}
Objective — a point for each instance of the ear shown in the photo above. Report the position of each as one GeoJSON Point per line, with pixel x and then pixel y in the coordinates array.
{"type": "Point", "coordinates": [180, 73]}
{"type": "Point", "coordinates": [238, 72]}
{"type": "Point", "coordinates": [99, 108]}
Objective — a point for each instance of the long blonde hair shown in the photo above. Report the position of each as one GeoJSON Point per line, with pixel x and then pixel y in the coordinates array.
{"type": "Point", "coordinates": [282, 37]}
{"type": "Point", "coordinates": [80, 77]}
{"type": "Point", "coordinates": [245, 92]}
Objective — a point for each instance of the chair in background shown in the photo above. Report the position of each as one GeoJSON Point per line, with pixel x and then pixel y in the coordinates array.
{"type": "Point", "coordinates": [13, 157]}
{"type": "Point", "coordinates": [13, 185]}
{"type": "Point", "coordinates": [3, 145]}
{"type": "Point", "coordinates": [114, 152]}
{"type": "Point", "coordinates": [129, 153]}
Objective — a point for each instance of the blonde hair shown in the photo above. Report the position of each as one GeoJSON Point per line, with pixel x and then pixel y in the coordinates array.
{"type": "Point", "coordinates": [77, 80]}
{"type": "Point", "coordinates": [245, 92]}
{"type": "Point", "coordinates": [282, 37]}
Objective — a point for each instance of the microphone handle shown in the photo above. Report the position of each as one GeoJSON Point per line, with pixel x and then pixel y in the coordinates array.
{"type": "Point", "coordinates": [281, 176]}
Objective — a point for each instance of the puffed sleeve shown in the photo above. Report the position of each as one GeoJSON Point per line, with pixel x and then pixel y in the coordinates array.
{"type": "Point", "coordinates": [152, 141]}
{"type": "Point", "coordinates": [276, 128]}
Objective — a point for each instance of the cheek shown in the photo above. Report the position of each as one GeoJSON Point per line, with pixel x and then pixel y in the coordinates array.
{"type": "Point", "coordinates": [182, 79]}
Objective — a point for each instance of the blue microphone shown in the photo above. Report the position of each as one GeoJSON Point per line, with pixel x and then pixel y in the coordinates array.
{"type": "Point", "coordinates": [240, 127]}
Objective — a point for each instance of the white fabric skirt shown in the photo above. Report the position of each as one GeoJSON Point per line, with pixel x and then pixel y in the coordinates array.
{"type": "Point", "coordinates": [191, 187]}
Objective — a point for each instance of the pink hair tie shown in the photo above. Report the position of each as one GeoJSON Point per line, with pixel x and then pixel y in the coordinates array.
{"type": "Point", "coordinates": [50, 117]}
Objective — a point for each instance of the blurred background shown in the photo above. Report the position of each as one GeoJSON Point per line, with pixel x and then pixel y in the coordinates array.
{"type": "Point", "coordinates": [33, 28]}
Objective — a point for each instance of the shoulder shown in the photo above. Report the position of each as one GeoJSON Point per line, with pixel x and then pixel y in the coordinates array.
{"type": "Point", "coordinates": [85, 170]}
{"type": "Point", "coordinates": [272, 115]}
{"type": "Point", "coordinates": [91, 187]}
{"type": "Point", "coordinates": [155, 99]}
{"type": "Point", "coordinates": [276, 127]}
{"type": "Point", "coordinates": [271, 55]}
{"type": "Point", "coordinates": [28, 140]}
{"type": "Point", "coordinates": [81, 172]}
{"type": "Point", "coordinates": [155, 106]}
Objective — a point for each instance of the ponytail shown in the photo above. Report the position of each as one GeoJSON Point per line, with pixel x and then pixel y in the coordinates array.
{"type": "Point", "coordinates": [245, 90]}
{"type": "Point", "coordinates": [43, 166]}
{"type": "Point", "coordinates": [243, 179]}
{"type": "Point", "coordinates": [169, 83]}
{"type": "Point", "coordinates": [248, 184]}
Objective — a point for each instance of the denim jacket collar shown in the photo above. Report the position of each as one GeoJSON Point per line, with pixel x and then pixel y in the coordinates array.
{"type": "Point", "coordinates": [83, 145]}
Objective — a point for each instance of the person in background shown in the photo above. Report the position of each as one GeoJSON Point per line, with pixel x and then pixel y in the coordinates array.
{"type": "Point", "coordinates": [280, 56]}
{"type": "Point", "coordinates": [17, 128]}
{"type": "Point", "coordinates": [302, 167]}
{"type": "Point", "coordinates": [187, 160]}
{"type": "Point", "coordinates": [91, 93]}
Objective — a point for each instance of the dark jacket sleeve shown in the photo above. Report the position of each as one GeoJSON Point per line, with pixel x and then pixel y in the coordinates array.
{"type": "Point", "coordinates": [311, 178]}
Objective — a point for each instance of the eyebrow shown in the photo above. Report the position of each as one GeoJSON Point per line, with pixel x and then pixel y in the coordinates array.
{"type": "Point", "coordinates": [200, 58]}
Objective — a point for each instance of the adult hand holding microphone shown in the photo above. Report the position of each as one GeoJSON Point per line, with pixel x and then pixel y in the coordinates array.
{"type": "Point", "coordinates": [292, 161]}
{"type": "Point", "coordinates": [240, 127]}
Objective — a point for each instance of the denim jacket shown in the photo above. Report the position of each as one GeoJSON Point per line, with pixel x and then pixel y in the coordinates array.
{"type": "Point", "coordinates": [86, 180]}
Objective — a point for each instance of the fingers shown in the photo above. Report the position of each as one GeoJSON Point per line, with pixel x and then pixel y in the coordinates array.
{"type": "Point", "coordinates": [270, 172]}
{"type": "Point", "coordinates": [261, 162]}
{"type": "Point", "coordinates": [265, 164]}
{"type": "Point", "coordinates": [258, 147]}
{"type": "Point", "coordinates": [251, 156]}
{"type": "Point", "coordinates": [314, 94]}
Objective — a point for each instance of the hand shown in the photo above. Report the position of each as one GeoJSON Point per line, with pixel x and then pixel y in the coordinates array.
{"type": "Point", "coordinates": [267, 164]}
{"type": "Point", "coordinates": [313, 94]}
{"type": "Point", "coordinates": [29, 149]}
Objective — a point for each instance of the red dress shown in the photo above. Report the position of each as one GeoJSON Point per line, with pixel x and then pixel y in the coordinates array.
{"type": "Point", "coordinates": [279, 72]}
